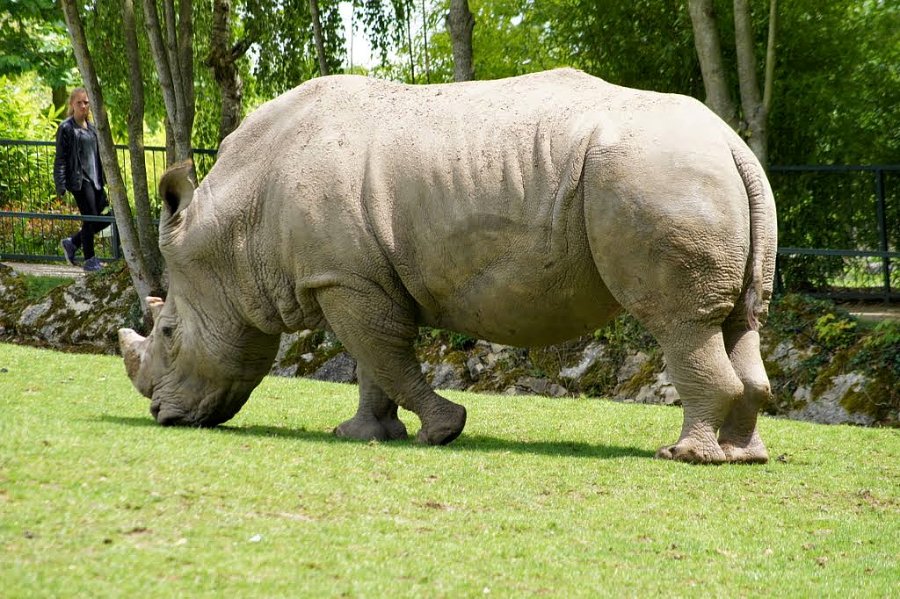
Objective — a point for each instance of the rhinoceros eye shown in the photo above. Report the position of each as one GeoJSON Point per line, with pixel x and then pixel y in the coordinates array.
{"type": "Point", "coordinates": [167, 332]}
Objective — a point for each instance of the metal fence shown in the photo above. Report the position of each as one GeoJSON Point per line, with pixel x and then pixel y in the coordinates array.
{"type": "Point", "coordinates": [33, 219]}
{"type": "Point", "coordinates": [839, 230]}
{"type": "Point", "coordinates": [839, 226]}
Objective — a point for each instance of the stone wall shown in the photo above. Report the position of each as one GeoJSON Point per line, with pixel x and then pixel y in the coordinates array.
{"type": "Point", "coordinates": [813, 377]}
{"type": "Point", "coordinates": [84, 315]}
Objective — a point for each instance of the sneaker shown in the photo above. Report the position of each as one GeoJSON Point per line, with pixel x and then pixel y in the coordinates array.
{"type": "Point", "coordinates": [69, 249]}
{"type": "Point", "coordinates": [92, 264]}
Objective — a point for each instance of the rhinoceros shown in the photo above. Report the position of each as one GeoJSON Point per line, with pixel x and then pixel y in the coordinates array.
{"type": "Point", "coordinates": [525, 211]}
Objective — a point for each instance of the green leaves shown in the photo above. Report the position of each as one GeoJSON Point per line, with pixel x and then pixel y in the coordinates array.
{"type": "Point", "coordinates": [33, 38]}
{"type": "Point", "coordinates": [283, 46]}
{"type": "Point", "coordinates": [832, 332]}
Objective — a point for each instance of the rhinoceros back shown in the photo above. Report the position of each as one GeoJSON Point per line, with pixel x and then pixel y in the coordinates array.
{"type": "Point", "coordinates": [470, 194]}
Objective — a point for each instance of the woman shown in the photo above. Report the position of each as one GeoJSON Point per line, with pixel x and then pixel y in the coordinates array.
{"type": "Point", "coordinates": [77, 169]}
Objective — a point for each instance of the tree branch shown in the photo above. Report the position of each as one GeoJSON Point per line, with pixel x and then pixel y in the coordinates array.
{"type": "Point", "coordinates": [221, 59]}
{"type": "Point", "coordinates": [171, 48]}
{"type": "Point", "coordinates": [240, 48]}
{"type": "Point", "coordinates": [743, 38]}
{"type": "Point", "coordinates": [186, 52]}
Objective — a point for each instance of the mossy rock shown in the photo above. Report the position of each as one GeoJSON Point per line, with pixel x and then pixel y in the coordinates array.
{"type": "Point", "coordinates": [85, 314]}
{"type": "Point", "coordinates": [548, 361]}
{"type": "Point", "coordinates": [322, 345]}
{"type": "Point", "coordinates": [13, 294]}
{"type": "Point", "coordinates": [645, 375]}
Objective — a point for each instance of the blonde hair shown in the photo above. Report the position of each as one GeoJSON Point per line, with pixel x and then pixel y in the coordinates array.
{"type": "Point", "coordinates": [71, 111]}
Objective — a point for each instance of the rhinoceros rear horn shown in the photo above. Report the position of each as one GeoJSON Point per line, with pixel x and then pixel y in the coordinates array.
{"type": "Point", "coordinates": [155, 305]}
{"type": "Point", "coordinates": [176, 187]}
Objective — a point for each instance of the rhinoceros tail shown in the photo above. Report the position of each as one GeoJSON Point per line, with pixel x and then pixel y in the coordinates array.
{"type": "Point", "coordinates": [759, 277]}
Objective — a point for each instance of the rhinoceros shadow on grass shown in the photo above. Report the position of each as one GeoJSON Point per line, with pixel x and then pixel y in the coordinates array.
{"type": "Point", "coordinates": [478, 443]}
{"type": "Point", "coordinates": [525, 211]}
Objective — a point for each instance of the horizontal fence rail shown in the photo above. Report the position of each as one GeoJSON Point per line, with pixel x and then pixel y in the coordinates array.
{"type": "Point", "coordinates": [852, 207]}
{"type": "Point", "coordinates": [106, 242]}
{"type": "Point", "coordinates": [839, 225]}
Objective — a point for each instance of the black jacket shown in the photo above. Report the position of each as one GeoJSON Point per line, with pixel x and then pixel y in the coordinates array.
{"type": "Point", "coordinates": [67, 174]}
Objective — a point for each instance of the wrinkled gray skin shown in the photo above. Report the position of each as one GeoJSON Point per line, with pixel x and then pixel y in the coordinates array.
{"type": "Point", "coordinates": [525, 211]}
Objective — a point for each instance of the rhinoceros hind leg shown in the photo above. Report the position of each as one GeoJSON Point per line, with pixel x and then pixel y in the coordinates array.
{"type": "Point", "coordinates": [708, 387]}
{"type": "Point", "coordinates": [376, 417]}
{"type": "Point", "coordinates": [379, 330]}
{"type": "Point", "coordinates": [738, 437]}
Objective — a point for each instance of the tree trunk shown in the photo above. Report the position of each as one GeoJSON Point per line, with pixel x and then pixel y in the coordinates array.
{"type": "Point", "coordinates": [171, 154]}
{"type": "Point", "coordinates": [222, 59]}
{"type": "Point", "coordinates": [754, 111]}
{"type": "Point", "coordinates": [770, 65]}
{"type": "Point", "coordinates": [460, 22]}
{"type": "Point", "coordinates": [409, 41]}
{"type": "Point", "coordinates": [127, 232]}
{"type": "Point", "coordinates": [186, 52]}
{"type": "Point", "coordinates": [709, 52]}
{"type": "Point", "coordinates": [425, 42]}
{"type": "Point", "coordinates": [146, 231]}
{"type": "Point", "coordinates": [317, 33]}
{"type": "Point", "coordinates": [174, 67]}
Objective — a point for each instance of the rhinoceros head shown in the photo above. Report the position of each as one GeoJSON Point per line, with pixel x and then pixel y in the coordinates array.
{"type": "Point", "coordinates": [200, 361]}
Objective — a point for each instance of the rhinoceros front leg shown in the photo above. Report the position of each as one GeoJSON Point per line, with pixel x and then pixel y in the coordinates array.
{"type": "Point", "coordinates": [378, 330]}
{"type": "Point", "coordinates": [376, 417]}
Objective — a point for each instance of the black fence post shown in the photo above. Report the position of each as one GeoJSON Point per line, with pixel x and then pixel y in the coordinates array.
{"type": "Point", "coordinates": [115, 241]}
{"type": "Point", "coordinates": [779, 282]}
{"type": "Point", "coordinates": [882, 231]}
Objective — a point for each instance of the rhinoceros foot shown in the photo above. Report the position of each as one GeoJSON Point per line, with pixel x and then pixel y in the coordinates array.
{"type": "Point", "coordinates": [693, 450]}
{"type": "Point", "coordinates": [750, 452]}
{"type": "Point", "coordinates": [443, 428]}
{"type": "Point", "coordinates": [372, 429]}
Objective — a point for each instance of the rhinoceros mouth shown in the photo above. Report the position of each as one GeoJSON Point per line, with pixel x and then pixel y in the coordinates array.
{"type": "Point", "coordinates": [210, 411]}
{"type": "Point", "coordinates": [168, 415]}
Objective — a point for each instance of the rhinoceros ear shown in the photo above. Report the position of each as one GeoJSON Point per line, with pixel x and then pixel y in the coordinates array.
{"type": "Point", "coordinates": [176, 188]}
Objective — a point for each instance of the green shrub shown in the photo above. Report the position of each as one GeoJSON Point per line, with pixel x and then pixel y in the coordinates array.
{"type": "Point", "coordinates": [837, 344]}
{"type": "Point", "coordinates": [624, 334]}
{"type": "Point", "coordinates": [452, 339]}
{"type": "Point", "coordinates": [833, 331]}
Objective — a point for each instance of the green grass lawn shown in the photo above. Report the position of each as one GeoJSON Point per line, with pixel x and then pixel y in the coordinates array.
{"type": "Point", "coordinates": [555, 497]}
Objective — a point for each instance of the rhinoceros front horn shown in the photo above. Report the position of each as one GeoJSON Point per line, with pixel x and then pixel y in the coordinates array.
{"type": "Point", "coordinates": [132, 346]}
